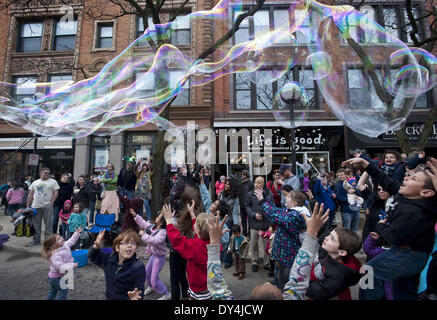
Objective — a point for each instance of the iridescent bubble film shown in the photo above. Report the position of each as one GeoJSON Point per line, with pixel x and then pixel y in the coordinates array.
{"type": "Point", "coordinates": [366, 76]}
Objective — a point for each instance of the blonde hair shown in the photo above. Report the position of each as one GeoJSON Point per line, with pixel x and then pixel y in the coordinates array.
{"type": "Point", "coordinates": [49, 246]}
{"type": "Point", "coordinates": [202, 225]}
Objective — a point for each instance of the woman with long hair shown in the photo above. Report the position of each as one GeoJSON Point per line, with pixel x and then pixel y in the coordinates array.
{"type": "Point", "coordinates": [110, 200]}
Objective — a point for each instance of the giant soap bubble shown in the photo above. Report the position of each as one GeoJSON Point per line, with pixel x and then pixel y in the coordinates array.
{"type": "Point", "coordinates": [368, 78]}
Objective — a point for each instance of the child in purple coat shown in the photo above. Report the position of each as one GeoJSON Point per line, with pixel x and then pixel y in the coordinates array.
{"type": "Point", "coordinates": [372, 247]}
{"type": "Point", "coordinates": [156, 238]}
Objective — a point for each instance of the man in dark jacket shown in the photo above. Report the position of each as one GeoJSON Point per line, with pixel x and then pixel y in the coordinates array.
{"type": "Point", "coordinates": [65, 192]}
{"type": "Point", "coordinates": [408, 228]}
{"type": "Point", "coordinates": [257, 221]}
{"type": "Point", "coordinates": [340, 195]}
{"type": "Point", "coordinates": [246, 185]}
{"type": "Point", "coordinates": [127, 181]}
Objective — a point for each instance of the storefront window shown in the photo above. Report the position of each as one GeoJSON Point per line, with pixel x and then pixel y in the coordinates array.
{"type": "Point", "coordinates": [99, 153]}
{"type": "Point", "coordinates": [140, 145]}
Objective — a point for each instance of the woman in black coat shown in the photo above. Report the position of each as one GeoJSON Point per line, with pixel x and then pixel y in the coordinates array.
{"type": "Point", "coordinates": [83, 193]}
{"type": "Point", "coordinates": [65, 192]}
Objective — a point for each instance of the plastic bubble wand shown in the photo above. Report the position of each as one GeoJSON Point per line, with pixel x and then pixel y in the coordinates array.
{"type": "Point", "coordinates": [310, 161]}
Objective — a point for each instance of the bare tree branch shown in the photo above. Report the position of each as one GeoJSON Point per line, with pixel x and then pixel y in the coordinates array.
{"type": "Point", "coordinates": [233, 30]}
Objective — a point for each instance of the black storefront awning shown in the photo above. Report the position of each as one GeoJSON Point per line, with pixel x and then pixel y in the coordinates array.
{"type": "Point", "coordinates": [389, 140]}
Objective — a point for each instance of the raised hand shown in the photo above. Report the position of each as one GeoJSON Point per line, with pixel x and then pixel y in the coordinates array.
{"type": "Point", "coordinates": [317, 220]}
{"type": "Point", "coordinates": [215, 227]}
{"type": "Point", "coordinates": [100, 238]}
{"type": "Point", "coordinates": [356, 162]}
{"type": "Point", "coordinates": [190, 209]}
{"type": "Point", "coordinates": [259, 194]}
{"type": "Point", "coordinates": [134, 295]}
{"type": "Point", "coordinates": [168, 215]}
{"type": "Point", "coordinates": [431, 171]}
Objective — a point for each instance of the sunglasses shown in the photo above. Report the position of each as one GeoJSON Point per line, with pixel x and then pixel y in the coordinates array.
{"type": "Point", "coordinates": [379, 189]}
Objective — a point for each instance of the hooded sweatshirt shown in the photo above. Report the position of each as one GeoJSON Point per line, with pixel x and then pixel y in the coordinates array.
{"type": "Point", "coordinates": [410, 222]}
{"type": "Point", "coordinates": [330, 278]}
{"type": "Point", "coordinates": [65, 214]}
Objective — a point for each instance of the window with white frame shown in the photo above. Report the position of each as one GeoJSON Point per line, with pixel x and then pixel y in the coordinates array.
{"type": "Point", "coordinates": [105, 32]}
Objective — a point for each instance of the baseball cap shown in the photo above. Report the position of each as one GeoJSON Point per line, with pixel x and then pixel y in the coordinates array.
{"type": "Point", "coordinates": [283, 168]}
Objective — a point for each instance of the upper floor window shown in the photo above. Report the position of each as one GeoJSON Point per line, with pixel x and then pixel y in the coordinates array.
{"type": "Point", "coordinates": [362, 93]}
{"type": "Point", "coordinates": [57, 81]}
{"type": "Point", "coordinates": [263, 21]}
{"type": "Point", "coordinates": [104, 35]}
{"type": "Point", "coordinates": [393, 17]}
{"type": "Point", "coordinates": [179, 34]}
{"type": "Point", "coordinates": [64, 37]}
{"type": "Point", "coordinates": [257, 91]}
{"type": "Point", "coordinates": [30, 36]}
{"type": "Point", "coordinates": [145, 87]}
{"type": "Point", "coordinates": [181, 31]}
{"type": "Point", "coordinates": [25, 87]}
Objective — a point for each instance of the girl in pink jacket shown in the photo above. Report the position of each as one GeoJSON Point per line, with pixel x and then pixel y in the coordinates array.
{"type": "Point", "coordinates": [156, 238]}
{"type": "Point", "coordinates": [14, 196]}
{"type": "Point", "coordinates": [58, 251]}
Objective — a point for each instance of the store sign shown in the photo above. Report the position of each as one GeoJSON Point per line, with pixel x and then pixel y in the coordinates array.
{"type": "Point", "coordinates": [413, 131]}
{"type": "Point", "coordinates": [305, 140]}
{"type": "Point", "coordinates": [43, 143]}
{"type": "Point", "coordinates": [33, 159]}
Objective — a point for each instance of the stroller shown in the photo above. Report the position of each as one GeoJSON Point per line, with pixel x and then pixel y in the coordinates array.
{"type": "Point", "coordinates": [21, 220]}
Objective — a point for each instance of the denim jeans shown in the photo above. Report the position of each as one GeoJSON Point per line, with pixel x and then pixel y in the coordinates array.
{"type": "Point", "coordinates": [351, 220]}
{"type": "Point", "coordinates": [399, 266]}
{"type": "Point", "coordinates": [91, 211]}
{"type": "Point", "coordinates": [129, 194]}
{"type": "Point", "coordinates": [55, 289]}
{"type": "Point", "coordinates": [148, 210]}
{"type": "Point", "coordinates": [64, 231]}
{"type": "Point", "coordinates": [56, 209]}
{"type": "Point", "coordinates": [12, 208]}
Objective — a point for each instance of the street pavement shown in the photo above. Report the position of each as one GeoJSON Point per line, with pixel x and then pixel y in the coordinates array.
{"type": "Point", "coordinates": [23, 273]}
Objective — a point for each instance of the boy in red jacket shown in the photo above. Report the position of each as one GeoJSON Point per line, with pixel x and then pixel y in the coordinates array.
{"type": "Point", "coordinates": [193, 250]}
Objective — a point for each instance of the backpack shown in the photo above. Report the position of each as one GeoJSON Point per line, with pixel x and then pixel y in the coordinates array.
{"type": "Point", "coordinates": [23, 228]}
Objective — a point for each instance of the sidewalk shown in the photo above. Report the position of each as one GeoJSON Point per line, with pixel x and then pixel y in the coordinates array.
{"type": "Point", "coordinates": [17, 244]}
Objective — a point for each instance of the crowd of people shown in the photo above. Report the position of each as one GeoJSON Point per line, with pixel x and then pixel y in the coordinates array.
{"type": "Point", "coordinates": [286, 226]}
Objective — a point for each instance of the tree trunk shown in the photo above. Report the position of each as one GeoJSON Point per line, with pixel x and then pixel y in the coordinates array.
{"type": "Point", "coordinates": [158, 166]}
{"type": "Point", "coordinates": [403, 140]}
{"type": "Point", "coordinates": [427, 129]}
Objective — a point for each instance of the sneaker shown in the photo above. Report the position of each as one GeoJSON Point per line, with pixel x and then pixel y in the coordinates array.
{"type": "Point", "coordinates": [254, 268]}
{"type": "Point", "coordinates": [148, 291]}
{"type": "Point", "coordinates": [166, 297]}
{"type": "Point", "coordinates": [33, 243]}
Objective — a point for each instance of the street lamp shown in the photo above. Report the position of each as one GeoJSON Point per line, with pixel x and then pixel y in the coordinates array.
{"type": "Point", "coordinates": [293, 94]}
